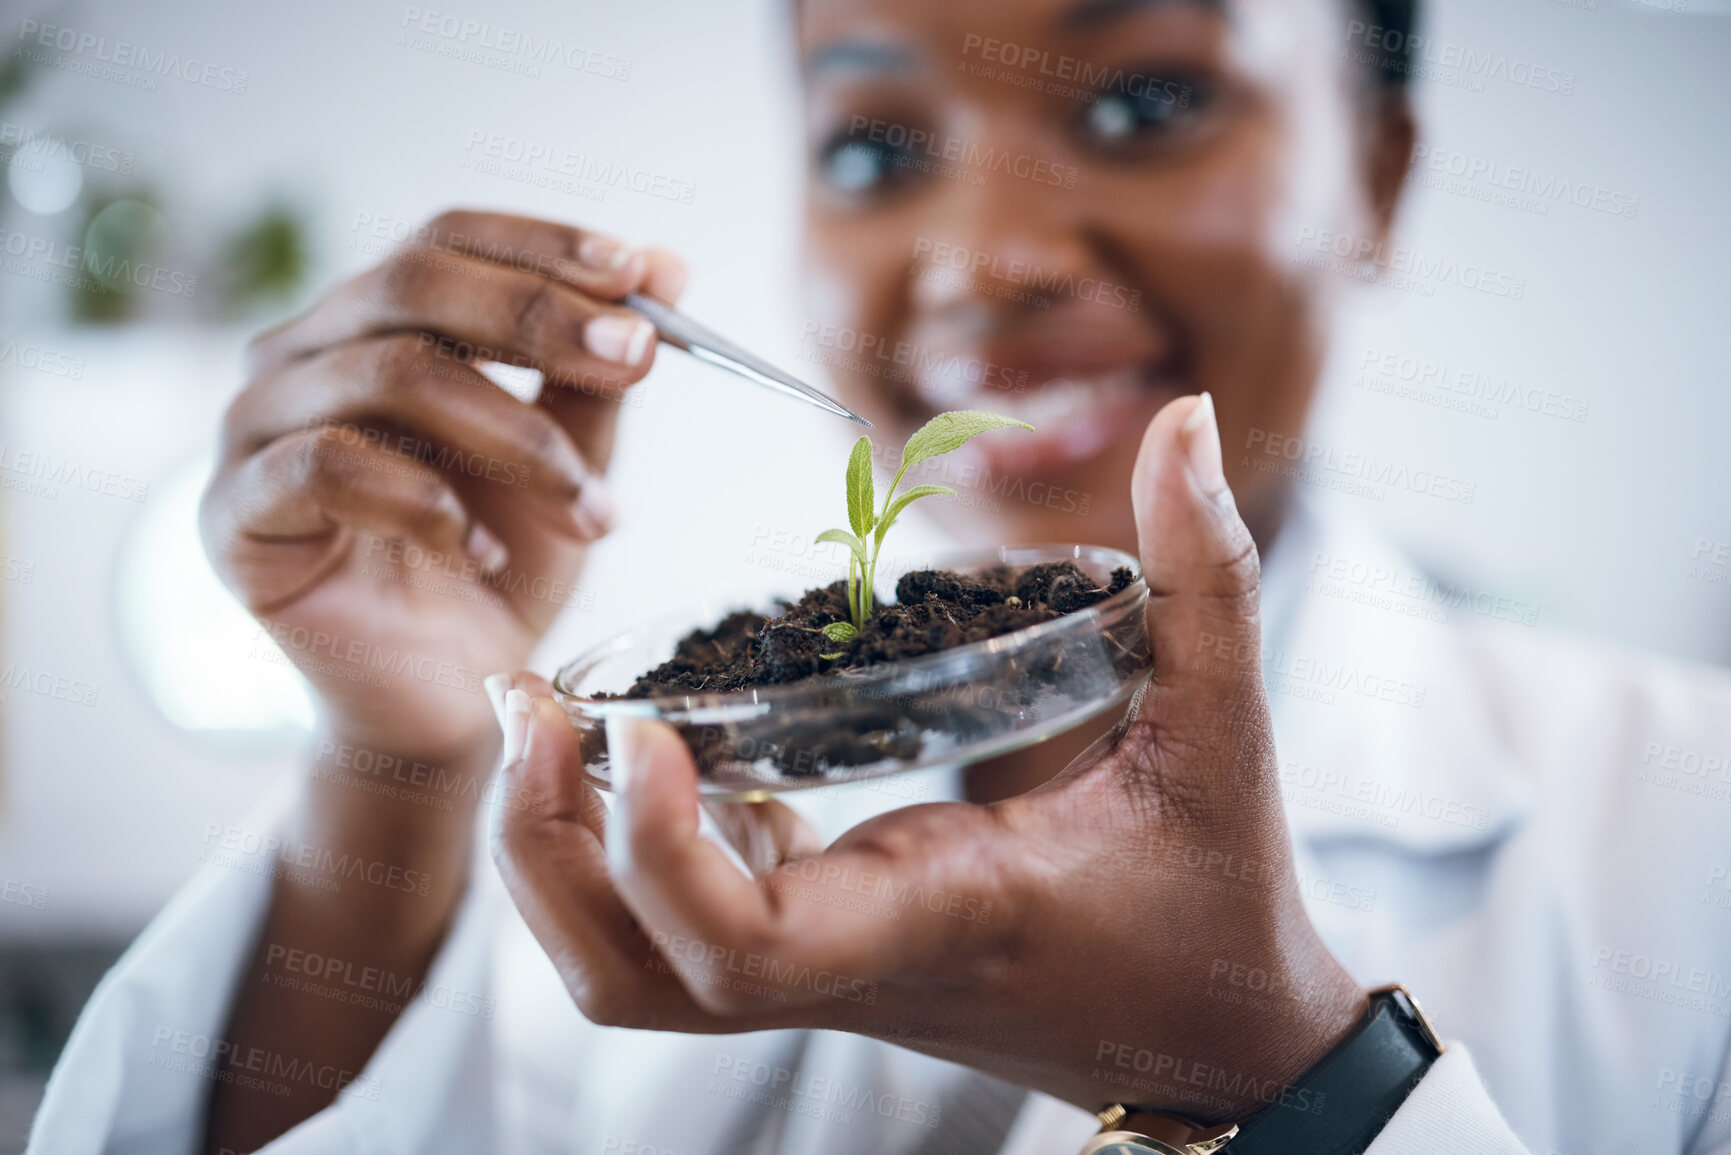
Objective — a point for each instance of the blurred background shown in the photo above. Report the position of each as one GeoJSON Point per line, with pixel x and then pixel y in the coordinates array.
{"type": "Point", "coordinates": [1591, 415]}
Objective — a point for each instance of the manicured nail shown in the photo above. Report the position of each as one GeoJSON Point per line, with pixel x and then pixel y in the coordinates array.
{"type": "Point", "coordinates": [624, 749]}
{"type": "Point", "coordinates": [603, 254]}
{"type": "Point", "coordinates": [516, 727]}
{"type": "Point", "coordinates": [485, 548]}
{"type": "Point", "coordinates": [622, 338]}
{"type": "Point", "coordinates": [593, 509]}
{"type": "Point", "coordinates": [496, 685]}
{"type": "Point", "coordinates": [1202, 447]}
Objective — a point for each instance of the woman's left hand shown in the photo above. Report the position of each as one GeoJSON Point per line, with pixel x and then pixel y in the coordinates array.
{"type": "Point", "coordinates": [1129, 932]}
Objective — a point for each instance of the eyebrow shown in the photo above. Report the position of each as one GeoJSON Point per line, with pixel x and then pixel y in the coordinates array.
{"type": "Point", "coordinates": [859, 56]}
{"type": "Point", "coordinates": [1091, 13]}
{"type": "Point", "coordinates": [875, 57]}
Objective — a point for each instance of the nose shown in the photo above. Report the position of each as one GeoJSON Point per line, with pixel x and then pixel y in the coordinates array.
{"type": "Point", "coordinates": [1006, 235]}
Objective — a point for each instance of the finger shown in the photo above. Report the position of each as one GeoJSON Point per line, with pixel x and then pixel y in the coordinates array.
{"type": "Point", "coordinates": [313, 492]}
{"type": "Point", "coordinates": [441, 412]}
{"type": "Point", "coordinates": [481, 311]}
{"type": "Point", "coordinates": [591, 413]}
{"type": "Point", "coordinates": [813, 943]}
{"type": "Point", "coordinates": [552, 858]}
{"type": "Point", "coordinates": [1197, 556]}
{"type": "Point", "coordinates": [552, 861]}
{"type": "Point", "coordinates": [666, 277]}
{"type": "Point", "coordinates": [680, 885]}
{"type": "Point", "coordinates": [766, 834]}
{"type": "Point", "coordinates": [1203, 578]}
{"type": "Point", "coordinates": [594, 263]}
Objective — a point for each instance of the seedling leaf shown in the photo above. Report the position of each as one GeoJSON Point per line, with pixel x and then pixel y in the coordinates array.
{"type": "Point", "coordinates": [859, 488]}
{"type": "Point", "coordinates": [840, 632]}
{"type": "Point", "coordinates": [905, 500]}
{"type": "Point", "coordinates": [941, 434]}
{"type": "Point", "coordinates": [843, 537]}
{"type": "Point", "coordinates": [949, 431]}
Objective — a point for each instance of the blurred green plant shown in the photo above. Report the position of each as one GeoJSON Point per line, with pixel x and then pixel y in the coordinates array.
{"type": "Point", "coordinates": [264, 261]}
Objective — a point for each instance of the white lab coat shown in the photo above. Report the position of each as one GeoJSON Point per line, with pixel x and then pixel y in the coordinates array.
{"type": "Point", "coordinates": [1531, 833]}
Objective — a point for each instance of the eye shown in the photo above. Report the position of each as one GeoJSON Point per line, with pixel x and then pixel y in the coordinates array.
{"type": "Point", "coordinates": [1142, 109]}
{"type": "Point", "coordinates": [856, 165]}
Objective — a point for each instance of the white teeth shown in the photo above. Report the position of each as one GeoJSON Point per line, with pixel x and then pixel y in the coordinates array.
{"type": "Point", "coordinates": [1047, 404]}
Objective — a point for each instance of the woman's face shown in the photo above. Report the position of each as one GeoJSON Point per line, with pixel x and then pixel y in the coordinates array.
{"type": "Point", "coordinates": [1072, 211]}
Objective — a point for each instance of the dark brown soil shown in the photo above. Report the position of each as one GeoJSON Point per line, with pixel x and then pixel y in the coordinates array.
{"type": "Point", "coordinates": [934, 610]}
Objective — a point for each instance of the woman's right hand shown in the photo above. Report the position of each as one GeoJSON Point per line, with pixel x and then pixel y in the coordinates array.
{"type": "Point", "coordinates": [401, 525]}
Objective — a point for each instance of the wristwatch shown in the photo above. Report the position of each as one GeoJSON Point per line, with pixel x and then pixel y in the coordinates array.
{"type": "Point", "coordinates": [1335, 1108]}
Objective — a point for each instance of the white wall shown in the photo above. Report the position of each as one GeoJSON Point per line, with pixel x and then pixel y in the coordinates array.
{"type": "Point", "coordinates": [1595, 521]}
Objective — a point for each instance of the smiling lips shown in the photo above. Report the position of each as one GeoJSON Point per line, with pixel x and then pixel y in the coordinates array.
{"type": "Point", "coordinates": [1079, 385]}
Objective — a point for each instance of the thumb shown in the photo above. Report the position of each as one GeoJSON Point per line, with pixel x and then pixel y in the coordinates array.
{"type": "Point", "coordinates": [1200, 564]}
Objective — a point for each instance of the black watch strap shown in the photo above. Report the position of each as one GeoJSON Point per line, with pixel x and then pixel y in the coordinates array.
{"type": "Point", "coordinates": [1339, 1105]}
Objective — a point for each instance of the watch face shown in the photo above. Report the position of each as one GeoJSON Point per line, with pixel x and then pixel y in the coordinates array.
{"type": "Point", "coordinates": [1126, 1143]}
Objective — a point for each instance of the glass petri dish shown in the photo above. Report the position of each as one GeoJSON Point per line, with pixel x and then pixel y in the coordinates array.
{"type": "Point", "coordinates": [950, 708]}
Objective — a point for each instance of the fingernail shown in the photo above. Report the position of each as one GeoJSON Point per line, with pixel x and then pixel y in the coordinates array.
{"type": "Point", "coordinates": [603, 254]}
{"type": "Point", "coordinates": [485, 548]}
{"type": "Point", "coordinates": [624, 749]}
{"type": "Point", "coordinates": [593, 509]}
{"type": "Point", "coordinates": [496, 685]}
{"type": "Point", "coordinates": [516, 727]}
{"type": "Point", "coordinates": [622, 338]}
{"type": "Point", "coordinates": [1202, 447]}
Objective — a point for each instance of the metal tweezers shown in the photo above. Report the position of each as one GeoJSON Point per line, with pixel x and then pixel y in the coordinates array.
{"type": "Point", "coordinates": [682, 332]}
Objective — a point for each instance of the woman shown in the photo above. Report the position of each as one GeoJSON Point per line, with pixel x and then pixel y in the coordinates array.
{"type": "Point", "coordinates": [1165, 931]}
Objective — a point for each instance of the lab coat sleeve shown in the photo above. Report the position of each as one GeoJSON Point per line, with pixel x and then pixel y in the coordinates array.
{"type": "Point", "coordinates": [1450, 1111]}
{"type": "Point", "coordinates": [136, 1074]}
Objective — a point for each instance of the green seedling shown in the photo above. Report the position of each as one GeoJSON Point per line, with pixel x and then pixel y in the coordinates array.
{"type": "Point", "coordinates": [940, 435]}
